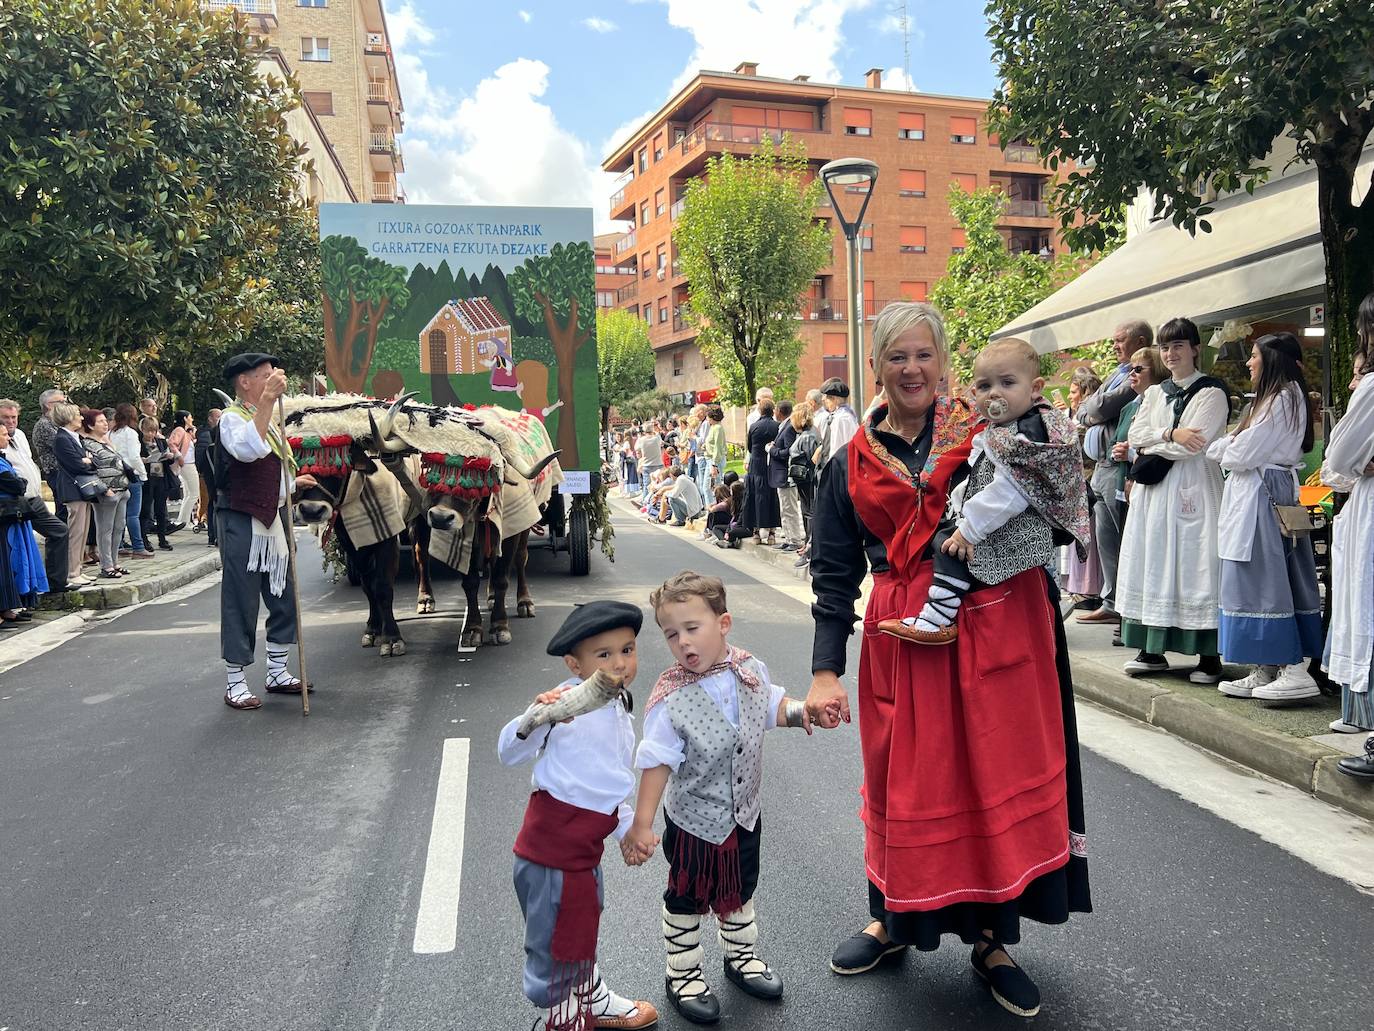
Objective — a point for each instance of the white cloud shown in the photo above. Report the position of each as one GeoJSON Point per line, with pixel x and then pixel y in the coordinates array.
{"type": "Point", "coordinates": [600, 24]}
{"type": "Point", "coordinates": [896, 78]}
{"type": "Point", "coordinates": [525, 16]}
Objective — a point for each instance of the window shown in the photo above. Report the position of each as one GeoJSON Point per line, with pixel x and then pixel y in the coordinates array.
{"type": "Point", "coordinates": [911, 183]}
{"type": "Point", "coordinates": [662, 261]}
{"type": "Point", "coordinates": [913, 240]}
{"type": "Point", "coordinates": [662, 310]}
{"type": "Point", "coordinates": [957, 240]}
{"type": "Point", "coordinates": [835, 352]}
{"type": "Point", "coordinates": [605, 298]}
{"type": "Point", "coordinates": [658, 147]}
{"type": "Point", "coordinates": [660, 202]}
{"type": "Point", "coordinates": [966, 181]}
{"type": "Point", "coordinates": [644, 160]}
{"type": "Point", "coordinates": [677, 362]}
{"type": "Point", "coordinates": [314, 48]}
{"type": "Point", "coordinates": [963, 130]}
{"type": "Point", "coordinates": [910, 126]}
{"type": "Point", "coordinates": [312, 3]}
{"type": "Point", "coordinates": [858, 121]}
{"type": "Point", "coordinates": [644, 213]}
{"type": "Point", "coordinates": [913, 290]}
{"type": "Point", "coordinates": [649, 314]}
{"type": "Point", "coordinates": [320, 103]}
{"type": "Point", "coordinates": [866, 237]}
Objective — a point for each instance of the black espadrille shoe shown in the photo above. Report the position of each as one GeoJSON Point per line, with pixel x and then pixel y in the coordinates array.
{"type": "Point", "coordinates": [860, 953]}
{"type": "Point", "coordinates": [1014, 991]}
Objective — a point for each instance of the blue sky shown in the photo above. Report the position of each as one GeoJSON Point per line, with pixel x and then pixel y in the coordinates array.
{"type": "Point", "coordinates": [517, 101]}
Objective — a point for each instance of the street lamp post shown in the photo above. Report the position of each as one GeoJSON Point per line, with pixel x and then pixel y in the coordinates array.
{"type": "Point", "coordinates": [842, 173]}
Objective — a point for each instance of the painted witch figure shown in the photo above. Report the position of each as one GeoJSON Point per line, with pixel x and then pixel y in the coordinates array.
{"type": "Point", "coordinates": [582, 777]}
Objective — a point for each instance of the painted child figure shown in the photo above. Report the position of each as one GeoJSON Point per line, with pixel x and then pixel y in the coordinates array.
{"type": "Point", "coordinates": [582, 776]}
{"type": "Point", "coordinates": [703, 745]}
{"type": "Point", "coordinates": [1024, 495]}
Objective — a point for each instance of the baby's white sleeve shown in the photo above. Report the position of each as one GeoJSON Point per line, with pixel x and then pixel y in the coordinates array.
{"type": "Point", "coordinates": [992, 507]}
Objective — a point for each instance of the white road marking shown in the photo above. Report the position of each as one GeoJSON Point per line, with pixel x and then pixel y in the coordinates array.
{"type": "Point", "coordinates": [436, 924]}
{"type": "Point", "coordinates": [1330, 839]}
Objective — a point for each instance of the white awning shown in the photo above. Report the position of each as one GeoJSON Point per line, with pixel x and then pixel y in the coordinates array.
{"type": "Point", "coordinates": [1263, 256]}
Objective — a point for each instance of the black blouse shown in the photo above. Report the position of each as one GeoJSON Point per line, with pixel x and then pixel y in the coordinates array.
{"type": "Point", "coordinates": [843, 549]}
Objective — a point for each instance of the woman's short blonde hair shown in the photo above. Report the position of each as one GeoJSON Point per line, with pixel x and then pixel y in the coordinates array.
{"type": "Point", "coordinates": [63, 413]}
{"type": "Point", "coordinates": [900, 316]}
{"type": "Point", "coordinates": [801, 415]}
{"type": "Point", "coordinates": [1149, 357]}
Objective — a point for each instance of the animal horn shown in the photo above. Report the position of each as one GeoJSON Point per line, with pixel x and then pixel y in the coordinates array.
{"type": "Point", "coordinates": [539, 467]}
{"type": "Point", "coordinates": [384, 437]}
{"type": "Point", "coordinates": [223, 396]}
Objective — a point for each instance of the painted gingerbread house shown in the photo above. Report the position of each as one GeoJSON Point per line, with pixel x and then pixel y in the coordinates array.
{"type": "Point", "coordinates": [461, 336]}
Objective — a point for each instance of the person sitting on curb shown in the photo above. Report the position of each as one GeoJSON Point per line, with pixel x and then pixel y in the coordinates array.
{"type": "Point", "coordinates": [683, 496]}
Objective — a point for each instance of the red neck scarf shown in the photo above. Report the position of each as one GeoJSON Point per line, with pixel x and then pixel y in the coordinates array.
{"type": "Point", "coordinates": [902, 510]}
{"type": "Point", "coordinates": [677, 675]}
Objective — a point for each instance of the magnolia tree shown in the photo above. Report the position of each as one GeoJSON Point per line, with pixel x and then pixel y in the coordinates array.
{"type": "Point", "coordinates": [750, 245]}
{"type": "Point", "coordinates": [1179, 94]}
{"type": "Point", "coordinates": [144, 164]}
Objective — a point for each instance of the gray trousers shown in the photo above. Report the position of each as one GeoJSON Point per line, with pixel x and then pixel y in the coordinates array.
{"type": "Point", "coordinates": [1109, 517]}
{"type": "Point", "coordinates": [239, 591]}
{"type": "Point", "coordinates": [540, 891]}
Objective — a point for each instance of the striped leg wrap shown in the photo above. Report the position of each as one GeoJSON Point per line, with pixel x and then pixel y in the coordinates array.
{"type": "Point", "coordinates": [236, 684]}
{"type": "Point", "coordinates": [682, 936]}
{"type": "Point", "coordinates": [942, 603]}
{"type": "Point", "coordinates": [739, 933]}
{"type": "Point", "coordinates": [601, 1001]}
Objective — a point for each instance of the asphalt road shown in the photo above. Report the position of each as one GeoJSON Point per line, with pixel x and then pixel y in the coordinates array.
{"type": "Point", "coordinates": [167, 863]}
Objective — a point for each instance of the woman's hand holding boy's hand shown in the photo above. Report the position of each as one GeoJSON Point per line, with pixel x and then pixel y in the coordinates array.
{"type": "Point", "coordinates": [638, 844]}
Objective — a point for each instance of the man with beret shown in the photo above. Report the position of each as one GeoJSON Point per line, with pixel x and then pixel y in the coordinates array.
{"type": "Point", "coordinates": [254, 479]}
{"type": "Point", "coordinates": [582, 777]}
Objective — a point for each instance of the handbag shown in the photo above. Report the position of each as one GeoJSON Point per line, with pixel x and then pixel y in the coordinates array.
{"type": "Point", "coordinates": [1294, 521]}
{"type": "Point", "coordinates": [1151, 469]}
{"type": "Point", "coordinates": [91, 486]}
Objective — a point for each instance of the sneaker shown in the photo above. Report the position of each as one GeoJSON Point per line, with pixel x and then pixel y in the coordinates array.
{"type": "Point", "coordinates": [141, 554]}
{"type": "Point", "coordinates": [1201, 675]}
{"type": "Point", "coordinates": [1144, 663]}
{"type": "Point", "coordinates": [1245, 686]}
{"type": "Point", "coordinates": [1342, 727]}
{"type": "Point", "coordinates": [1290, 685]}
{"type": "Point", "coordinates": [802, 560]}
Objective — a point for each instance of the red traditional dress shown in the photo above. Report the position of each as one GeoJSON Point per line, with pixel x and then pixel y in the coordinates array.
{"type": "Point", "coordinates": [971, 779]}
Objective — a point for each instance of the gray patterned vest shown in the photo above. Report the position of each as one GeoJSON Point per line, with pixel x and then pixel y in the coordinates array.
{"type": "Point", "coordinates": [1023, 542]}
{"type": "Point", "coordinates": [717, 785]}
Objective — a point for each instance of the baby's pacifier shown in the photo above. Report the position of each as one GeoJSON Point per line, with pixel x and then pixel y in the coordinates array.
{"type": "Point", "coordinates": [997, 408]}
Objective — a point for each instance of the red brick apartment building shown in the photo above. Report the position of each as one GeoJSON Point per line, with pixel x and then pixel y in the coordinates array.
{"type": "Point", "coordinates": [921, 142]}
{"type": "Point", "coordinates": [612, 276]}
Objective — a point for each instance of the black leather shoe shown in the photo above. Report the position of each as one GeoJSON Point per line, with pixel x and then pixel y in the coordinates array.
{"type": "Point", "coordinates": [699, 1009]}
{"type": "Point", "coordinates": [1361, 767]}
{"type": "Point", "coordinates": [162, 545]}
{"type": "Point", "coordinates": [767, 985]}
{"type": "Point", "coordinates": [1012, 989]}
{"type": "Point", "coordinates": [860, 953]}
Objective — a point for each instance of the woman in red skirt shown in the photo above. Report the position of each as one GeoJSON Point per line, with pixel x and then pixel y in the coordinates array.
{"type": "Point", "coordinates": [972, 800]}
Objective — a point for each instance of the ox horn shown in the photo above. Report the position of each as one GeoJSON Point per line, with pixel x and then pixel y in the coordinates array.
{"type": "Point", "coordinates": [384, 436]}
{"type": "Point", "coordinates": [223, 396]}
{"type": "Point", "coordinates": [539, 467]}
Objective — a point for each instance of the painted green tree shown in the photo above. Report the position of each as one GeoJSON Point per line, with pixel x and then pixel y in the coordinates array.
{"type": "Point", "coordinates": [986, 286]}
{"type": "Point", "coordinates": [750, 245]}
{"type": "Point", "coordinates": [360, 296]}
{"type": "Point", "coordinates": [1186, 95]}
{"type": "Point", "coordinates": [556, 292]}
{"type": "Point", "coordinates": [624, 359]}
{"type": "Point", "coordinates": [144, 161]}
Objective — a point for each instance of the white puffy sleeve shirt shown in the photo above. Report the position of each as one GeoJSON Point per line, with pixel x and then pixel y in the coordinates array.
{"type": "Point", "coordinates": [240, 437]}
{"type": "Point", "coordinates": [588, 763]}
{"type": "Point", "coordinates": [994, 505]}
{"type": "Point", "coordinates": [662, 746]}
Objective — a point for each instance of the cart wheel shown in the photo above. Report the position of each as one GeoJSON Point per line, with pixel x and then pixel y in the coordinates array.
{"type": "Point", "coordinates": [579, 543]}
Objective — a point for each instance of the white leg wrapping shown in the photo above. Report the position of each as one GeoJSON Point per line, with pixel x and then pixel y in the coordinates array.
{"type": "Point", "coordinates": [739, 933]}
{"type": "Point", "coordinates": [603, 1002]}
{"type": "Point", "coordinates": [682, 936]}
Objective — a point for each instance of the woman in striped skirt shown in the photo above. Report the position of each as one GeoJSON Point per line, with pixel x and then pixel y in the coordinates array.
{"type": "Point", "coordinates": [1270, 605]}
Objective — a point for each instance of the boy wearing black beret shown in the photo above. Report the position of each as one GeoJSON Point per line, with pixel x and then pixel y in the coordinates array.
{"type": "Point", "coordinates": [583, 774]}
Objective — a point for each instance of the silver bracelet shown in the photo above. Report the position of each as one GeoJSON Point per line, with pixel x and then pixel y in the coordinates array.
{"type": "Point", "coordinates": [795, 713]}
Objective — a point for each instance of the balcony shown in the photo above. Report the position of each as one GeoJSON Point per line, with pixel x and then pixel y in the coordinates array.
{"type": "Point", "coordinates": [822, 309]}
{"type": "Point", "coordinates": [680, 324]}
{"type": "Point", "coordinates": [1027, 208]}
{"type": "Point", "coordinates": [676, 210]}
{"type": "Point", "coordinates": [627, 293]}
{"type": "Point", "coordinates": [713, 138]}
{"type": "Point", "coordinates": [387, 193]}
{"type": "Point", "coordinates": [624, 244]}
{"type": "Point", "coordinates": [873, 306]}
{"type": "Point", "coordinates": [620, 207]}
{"type": "Point", "coordinates": [264, 12]}
{"type": "Point", "coordinates": [376, 44]}
{"type": "Point", "coordinates": [1020, 154]}
{"type": "Point", "coordinates": [381, 143]}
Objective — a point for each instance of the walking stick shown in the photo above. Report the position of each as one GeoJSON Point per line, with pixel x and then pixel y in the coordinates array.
{"type": "Point", "coordinates": [291, 559]}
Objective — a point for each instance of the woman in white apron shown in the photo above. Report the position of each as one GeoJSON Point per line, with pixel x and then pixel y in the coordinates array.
{"type": "Point", "coordinates": [1270, 604]}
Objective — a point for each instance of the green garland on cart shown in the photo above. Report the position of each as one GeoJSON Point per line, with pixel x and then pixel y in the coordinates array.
{"type": "Point", "coordinates": [598, 511]}
{"type": "Point", "coordinates": [332, 557]}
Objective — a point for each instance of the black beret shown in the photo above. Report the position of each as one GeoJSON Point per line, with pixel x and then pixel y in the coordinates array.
{"type": "Point", "coordinates": [247, 363]}
{"type": "Point", "coordinates": [835, 387]}
{"type": "Point", "coordinates": [595, 617]}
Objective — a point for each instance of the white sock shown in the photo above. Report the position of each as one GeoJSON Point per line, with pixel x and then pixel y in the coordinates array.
{"type": "Point", "coordinates": [276, 664]}
{"type": "Point", "coordinates": [942, 604]}
{"type": "Point", "coordinates": [236, 684]}
{"type": "Point", "coordinates": [602, 1001]}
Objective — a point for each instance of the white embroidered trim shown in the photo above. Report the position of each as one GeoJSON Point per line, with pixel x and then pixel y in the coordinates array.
{"type": "Point", "coordinates": [1028, 875]}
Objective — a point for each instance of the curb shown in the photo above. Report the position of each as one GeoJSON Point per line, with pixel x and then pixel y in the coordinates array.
{"type": "Point", "coordinates": [120, 595]}
{"type": "Point", "coordinates": [1301, 763]}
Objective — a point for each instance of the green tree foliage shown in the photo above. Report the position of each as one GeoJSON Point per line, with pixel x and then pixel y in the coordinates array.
{"type": "Point", "coordinates": [985, 286]}
{"type": "Point", "coordinates": [143, 163]}
{"type": "Point", "coordinates": [649, 405]}
{"type": "Point", "coordinates": [1182, 94]}
{"type": "Point", "coordinates": [624, 358]}
{"type": "Point", "coordinates": [361, 294]}
{"type": "Point", "coordinates": [557, 292]}
{"type": "Point", "coordinates": [749, 245]}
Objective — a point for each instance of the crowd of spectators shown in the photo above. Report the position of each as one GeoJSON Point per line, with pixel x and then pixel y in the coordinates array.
{"type": "Point", "coordinates": [111, 474]}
